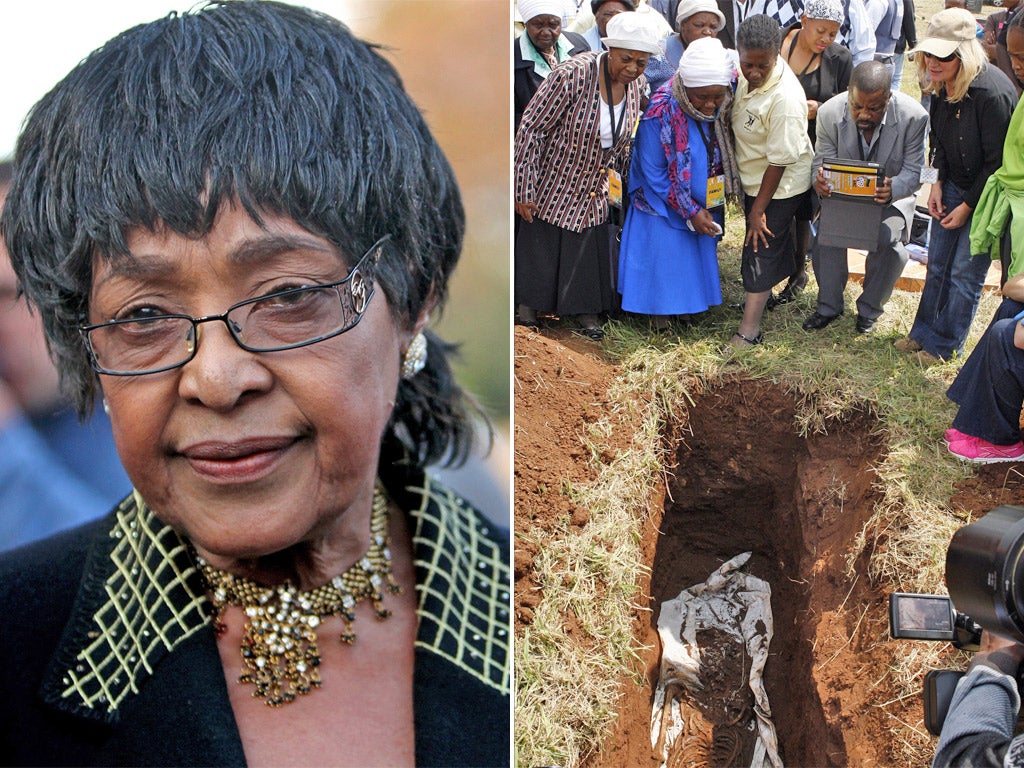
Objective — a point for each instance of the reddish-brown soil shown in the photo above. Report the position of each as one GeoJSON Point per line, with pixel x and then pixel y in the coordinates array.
{"type": "Point", "coordinates": [743, 481]}
{"type": "Point", "coordinates": [560, 390]}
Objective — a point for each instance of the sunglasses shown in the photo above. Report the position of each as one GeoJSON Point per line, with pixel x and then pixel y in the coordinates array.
{"type": "Point", "coordinates": [943, 59]}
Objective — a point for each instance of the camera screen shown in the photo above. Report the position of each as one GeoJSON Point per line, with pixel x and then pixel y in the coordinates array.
{"type": "Point", "coordinates": [922, 617]}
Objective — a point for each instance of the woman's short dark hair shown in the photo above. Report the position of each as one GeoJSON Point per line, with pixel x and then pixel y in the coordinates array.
{"type": "Point", "coordinates": [277, 106]}
{"type": "Point", "coordinates": [759, 33]}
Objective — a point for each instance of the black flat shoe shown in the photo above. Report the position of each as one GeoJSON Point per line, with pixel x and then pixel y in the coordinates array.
{"type": "Point", "coordinates": [593, 333]}
{"type": "Point", "coordinates": [817, 321]}
{"type": "Point", "coordinates": [864, 324]}
{"type": "Point", "coordinates": [790, 292]}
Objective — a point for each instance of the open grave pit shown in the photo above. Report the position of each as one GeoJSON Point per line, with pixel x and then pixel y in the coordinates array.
{"type": "Point", "coordinates": [744, 480]}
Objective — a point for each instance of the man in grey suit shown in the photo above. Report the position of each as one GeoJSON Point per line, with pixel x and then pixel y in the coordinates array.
{"type": "Point", "coordinates": [870, 123]}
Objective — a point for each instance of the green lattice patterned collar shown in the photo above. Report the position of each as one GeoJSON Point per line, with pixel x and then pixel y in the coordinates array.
{"type": "Point", "coordinates": [145, 597]}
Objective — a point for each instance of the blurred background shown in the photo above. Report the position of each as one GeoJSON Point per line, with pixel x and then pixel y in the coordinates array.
{"type": "Point", "coordinates": [453, 56]}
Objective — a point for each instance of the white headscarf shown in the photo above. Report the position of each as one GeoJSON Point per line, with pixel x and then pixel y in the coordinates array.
{"type": "Point", "coordinates": [688, 8]}
{"type": "Point", "coordinates": [705, 62]}
{"type": "Point", "coordinates": [633, 31]}
{"type": "Point", "coordinates": [530, 8]}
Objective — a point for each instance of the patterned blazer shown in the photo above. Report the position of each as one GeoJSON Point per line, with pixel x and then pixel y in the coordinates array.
{"type": "Point", "coordinates": [559, 162]}
{"type": "Point", "coordinates": [111, 659]}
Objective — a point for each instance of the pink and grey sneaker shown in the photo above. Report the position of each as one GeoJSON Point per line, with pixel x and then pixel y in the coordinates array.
{"type": "Point", "coordinates": [954, 435]}
{"type": "Point", "coordinates": [983, 452]}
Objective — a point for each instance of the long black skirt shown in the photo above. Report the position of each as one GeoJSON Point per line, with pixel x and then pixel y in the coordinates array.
{"type": "Point", "coordinates": [563, 272]}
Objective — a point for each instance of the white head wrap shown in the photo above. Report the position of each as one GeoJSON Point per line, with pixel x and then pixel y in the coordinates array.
{"type": "Point", "coordinates": [632, 31]}
{"type": "Point", "coordinates": [826, 10]}
{"type": "Point", "coordinates": [688, 8]}
{"type": "Point", "coordinates": [530, 8]}
{"type": "Point", "coordinates": [705, 62]}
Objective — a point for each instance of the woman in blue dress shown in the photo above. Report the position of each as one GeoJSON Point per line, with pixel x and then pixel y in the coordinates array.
{"type": "Point", "coordinates": [681, 172]}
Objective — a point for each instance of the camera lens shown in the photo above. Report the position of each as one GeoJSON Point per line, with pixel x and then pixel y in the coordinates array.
{"type": "Point", "coordinates": [985, 571]}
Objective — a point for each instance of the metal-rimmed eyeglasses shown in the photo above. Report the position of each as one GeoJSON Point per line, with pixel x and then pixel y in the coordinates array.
{"type": "Point", "coordinates": [288, 319]}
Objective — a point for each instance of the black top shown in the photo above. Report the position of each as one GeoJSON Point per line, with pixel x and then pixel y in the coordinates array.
{"type": "Point", "coordinates": [832, 76]}
{"type": "Point", "coordinates": [908, 32]}
{"type": "Point", "coordinates": [525, 81]}
{"type": "Point", "coordinates": [967, 137]}
{"type": "Point", "coordinates": [110, 657]}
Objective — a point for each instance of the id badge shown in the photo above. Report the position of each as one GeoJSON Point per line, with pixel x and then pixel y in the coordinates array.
{"type": "Point", "coordinates": [614, 188]}
{"type": "Point", "coordinates": [716, 191]}
{"type": "Point", "coordinates": [929, 174]}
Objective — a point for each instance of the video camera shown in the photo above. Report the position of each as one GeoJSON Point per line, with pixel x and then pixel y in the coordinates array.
{"type": "Point", "coordinates": [985, 579]}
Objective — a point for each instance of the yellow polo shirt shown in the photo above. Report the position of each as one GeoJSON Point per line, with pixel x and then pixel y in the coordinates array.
{"type": "Point", "coordinates": [770, 126]}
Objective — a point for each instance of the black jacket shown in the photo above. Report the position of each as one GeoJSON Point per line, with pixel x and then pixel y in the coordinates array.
{"type": "Point", "coordinates": [54, 596]}
{"type": "Point", "coordinates": [967, 137]}
{"type": "Point", "coordinates": [727, 34]}
{"type": "Point", "coordinates": [525, 81]}
{"type": "Point", "coordinates": [908, 33]}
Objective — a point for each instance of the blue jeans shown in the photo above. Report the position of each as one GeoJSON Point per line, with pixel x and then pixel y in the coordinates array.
{"type": "Point", "coordinates": [990, 387]}
{"type": "Point", "coordinates": [897, 74]}
{"type": "Point", "coordinates": [952, 285]}
{"type": "Point", "coordinates": [1007, 308]}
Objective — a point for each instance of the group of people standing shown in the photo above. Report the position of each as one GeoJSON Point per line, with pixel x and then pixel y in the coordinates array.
{"type": "Point", "coordinates": [725, 124]}
{"type": "Point", "coordinates": [572, 149]}
{"type": "Point", "coordinates": [722, 123]}
{"type": "Point", "coordinates": [757, 125]}
{"type": "Point", "coordinates": [750, 138]}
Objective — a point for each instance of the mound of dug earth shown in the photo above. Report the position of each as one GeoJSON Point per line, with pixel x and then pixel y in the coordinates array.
{"type": "Point", "coordinates": [558, 391]}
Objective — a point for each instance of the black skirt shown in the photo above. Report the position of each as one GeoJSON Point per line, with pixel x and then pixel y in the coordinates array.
{"type": "Point", "coordinates": [767, 267]}
{"type": "Point", "coordinates": [563, 272]}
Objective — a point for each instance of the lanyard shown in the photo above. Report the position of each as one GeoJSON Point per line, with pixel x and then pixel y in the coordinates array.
{"type": "Point", "coordinates": [715, 192]}
{"type": "Point", "coordinates": [709, 146]}
{"type": "Point", "coordinates": [616, 129]}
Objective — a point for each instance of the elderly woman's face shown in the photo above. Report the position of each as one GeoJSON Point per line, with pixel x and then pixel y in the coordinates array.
{"type": "Point", "coordinates": [604, 14]}
{"type": "Point", "coordinates": [248, 453]}
{"type": "Point", "coordinates": [543, 31]}
{"type": "Point", "coordinates": [702, 24]}
{"type": "Point", "coordinates": [625, 65]}
{"type": "Point", "coordinates": [707, 98]}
